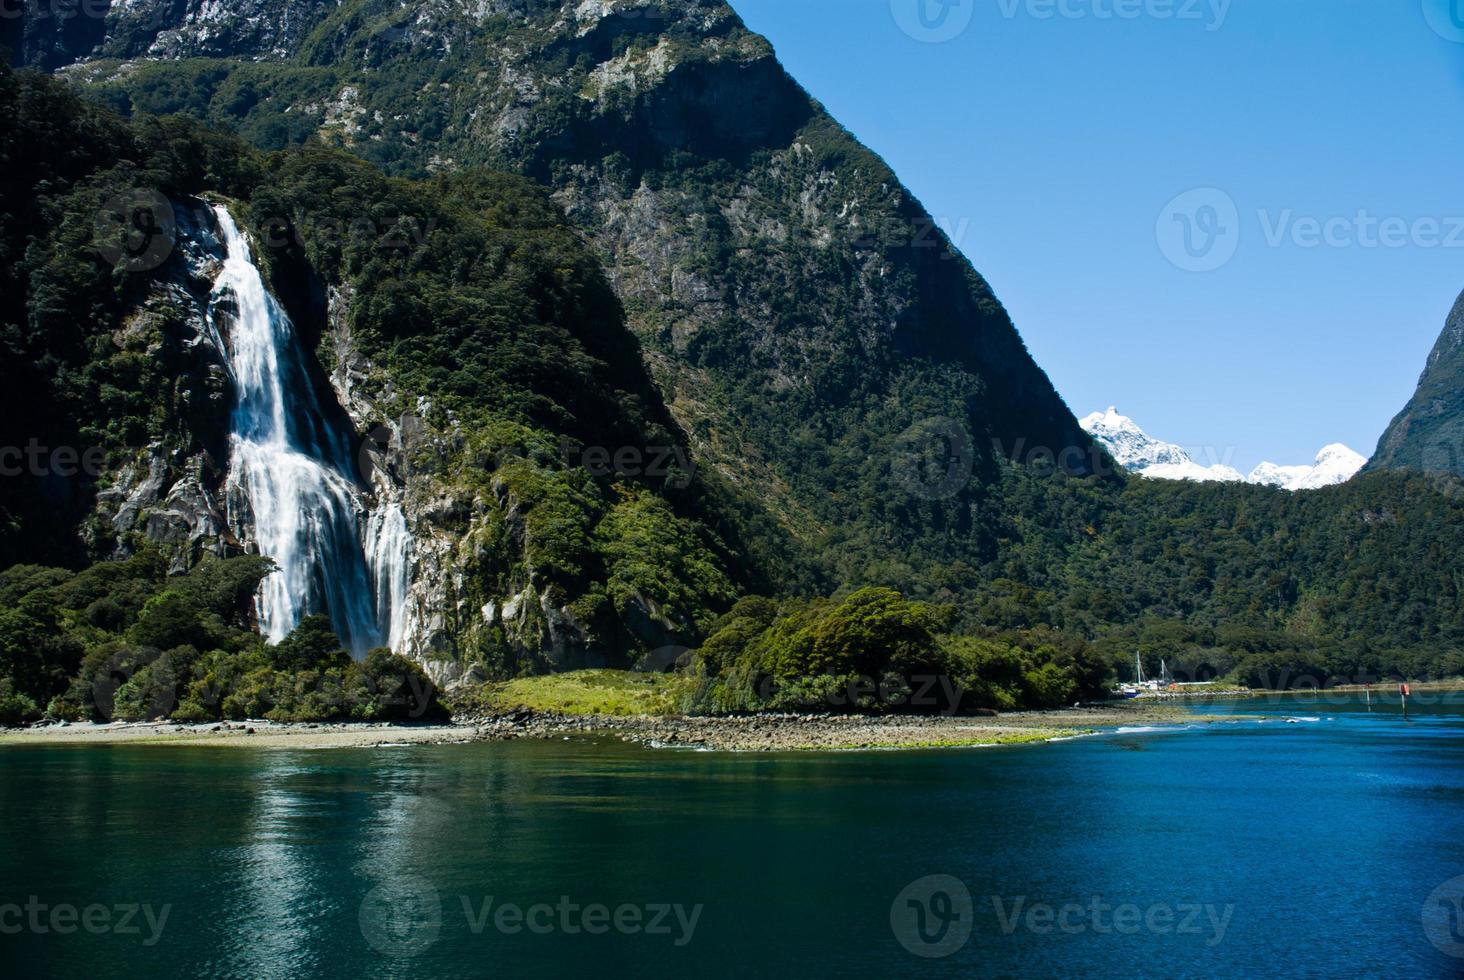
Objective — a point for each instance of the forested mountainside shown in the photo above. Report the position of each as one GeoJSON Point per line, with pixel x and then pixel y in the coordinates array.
{"type": "Point", "coordinates": [463, 332]}
{"type": "Point", "coordinates": [767, 374]}
{"type": "Point", "coordinates": [799, 309]}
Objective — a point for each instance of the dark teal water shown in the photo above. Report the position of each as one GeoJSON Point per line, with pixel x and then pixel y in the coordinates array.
{"type": "Point", "coordinates": [1310, 849]}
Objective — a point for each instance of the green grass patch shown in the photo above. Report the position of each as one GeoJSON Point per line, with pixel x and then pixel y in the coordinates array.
{"type": "Point", "coordinates": [615, 693]}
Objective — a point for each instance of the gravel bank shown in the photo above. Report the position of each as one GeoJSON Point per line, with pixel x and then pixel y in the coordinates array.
{"type": "Point", "coordinates": [755, 733]}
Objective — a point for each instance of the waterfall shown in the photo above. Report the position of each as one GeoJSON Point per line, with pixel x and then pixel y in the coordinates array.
{"type": "Point", "coordinates": [388, 553]}
{"type": "Point", "coordinates": [289, 487]}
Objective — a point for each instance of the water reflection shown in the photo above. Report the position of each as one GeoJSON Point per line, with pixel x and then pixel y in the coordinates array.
{"type": "Point", "coordinates": [390, 862]}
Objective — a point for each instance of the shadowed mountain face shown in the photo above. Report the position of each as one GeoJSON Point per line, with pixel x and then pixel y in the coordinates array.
{"type": "Point", "coordinates": [1428, 435]}
{"type": "Point", "coordinates": [213, 363]}
{"type": "Point", "coordinates": [835, 388]}
{"type": "Point", "coordinates": [801, 312]}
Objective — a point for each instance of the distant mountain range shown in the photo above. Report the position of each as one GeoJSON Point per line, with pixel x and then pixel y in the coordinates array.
{"type": "Point", "coordinates": [1138, 452]}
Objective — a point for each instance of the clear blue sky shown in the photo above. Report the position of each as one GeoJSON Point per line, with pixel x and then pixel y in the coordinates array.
{"type": "Point", "coordinates": [1059, 142]}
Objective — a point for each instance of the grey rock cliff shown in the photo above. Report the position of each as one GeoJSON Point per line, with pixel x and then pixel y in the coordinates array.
{"type": "Point", "coordinates": [1428, 435]}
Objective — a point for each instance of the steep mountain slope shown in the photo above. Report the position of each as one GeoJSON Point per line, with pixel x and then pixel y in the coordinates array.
{"type": "Point", "coordinates": [847, 390]}
{"type": "Point", "coordinates": [803, 316]}
{"type": "Point", "coordinates": [1428, 435]}
{"type": "Point", "coordinates": [460, 326]}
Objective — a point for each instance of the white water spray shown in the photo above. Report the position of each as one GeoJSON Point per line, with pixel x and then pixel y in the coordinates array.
{"type": "Point", "coordinates": [389, 554]}
{"type": "Point", "coordinates": [288, 487]}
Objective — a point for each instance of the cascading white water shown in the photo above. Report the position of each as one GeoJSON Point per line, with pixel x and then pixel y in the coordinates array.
{"type": "Point", "coordinates": [288, 487]}
{"type": "Point", "coordinates": [388, 553]}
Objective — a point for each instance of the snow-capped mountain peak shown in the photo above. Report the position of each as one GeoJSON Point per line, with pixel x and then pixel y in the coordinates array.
{"type": "Point", "coordinates": [1278, 476]}
{"type": "Point", "coordinates": [1334, 464]}
{"type": "Point", "coordinates": [1132, 447]}
{"type": "Point", "coordinates": [1138, 452]}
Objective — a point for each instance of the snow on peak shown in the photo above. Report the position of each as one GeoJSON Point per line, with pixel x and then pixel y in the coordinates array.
{"type": "Point", "coordinates": [1131, 446]}
{"type": "Point", "coordinates": [1138, 452]}
{"type": "Point", "coordinates": [1334, 464]}
{"type": "Point", "coordinates": [1192, 471]}
{"type": "Point", "coordinates": [1272, 475]}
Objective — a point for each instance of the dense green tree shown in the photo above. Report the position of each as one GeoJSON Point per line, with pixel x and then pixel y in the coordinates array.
{"type": "Point", "coordinates": [312, 645]}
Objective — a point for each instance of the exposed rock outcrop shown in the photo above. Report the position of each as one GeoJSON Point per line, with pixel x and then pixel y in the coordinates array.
{"type": "Point", "coordinates": [1428, 435]}
{"type": "Point", "coordinates": [169, 492]}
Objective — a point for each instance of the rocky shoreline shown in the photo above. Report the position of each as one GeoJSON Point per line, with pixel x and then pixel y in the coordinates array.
{"type": "Point", "coordinates": [793, 733]}
{"type": "Point", "coordinates": [246, 734]}
{"type": "Point", "coordinates": [751, 733]}
{"type": "Point", "coordinates": [776, 733]}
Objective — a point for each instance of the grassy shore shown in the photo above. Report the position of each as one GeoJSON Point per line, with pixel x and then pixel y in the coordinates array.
{"type": "Point", "coordinates": [635, 708]}
{"type": "Point", "coordinates": [609, 693]}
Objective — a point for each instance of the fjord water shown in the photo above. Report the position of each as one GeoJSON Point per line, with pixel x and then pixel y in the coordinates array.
{"type": "Point", "coordinates": [1307, 849]}
{"type": "Point", "coordinates": [289, 488]}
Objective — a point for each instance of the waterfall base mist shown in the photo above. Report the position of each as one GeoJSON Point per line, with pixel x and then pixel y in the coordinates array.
{"type": "Point", "coordinates": [291, 492]}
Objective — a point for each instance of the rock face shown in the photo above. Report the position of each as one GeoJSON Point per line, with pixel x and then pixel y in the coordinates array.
{"type": "Point", "coordinates": [786, 288]}
{"type": "Point", "coordinates": [169, 493]}
{"type": "Point", "coordinates": [172, 492]}
{"type": "Point", "coordinates": [408, 464]}
{"type": "Point", "coordinates": [1428, 435]}
{"type": "Point", "coordinates": [806, 321]}
{"type": "Point", "coordinates": [55, 34]}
